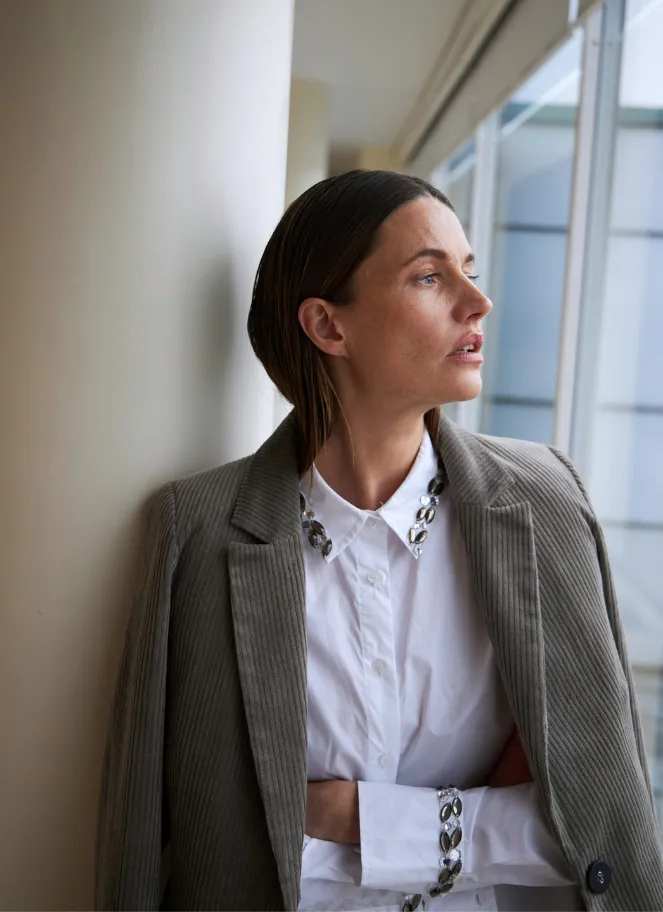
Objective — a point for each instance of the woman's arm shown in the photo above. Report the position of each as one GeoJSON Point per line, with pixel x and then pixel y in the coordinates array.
{"type": "Point", "coordinates": [506, 839]}
{"type": "Point", "coordinates": [610, 599]}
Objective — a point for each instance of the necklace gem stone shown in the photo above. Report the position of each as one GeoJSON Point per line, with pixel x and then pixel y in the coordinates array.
{"type": "Point", "coordinates": [424, 516]}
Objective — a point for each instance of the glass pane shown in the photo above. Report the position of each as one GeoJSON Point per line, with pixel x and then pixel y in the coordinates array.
{"type": "Point", "coordinates": [623, 462]}
{"type": "Point", "coordinates": [456, 179]}
{"type": "Point", "coordinates": [460, 194]}
{"type": "Point", "coordinates": [520, 419]}
{"type": "Point", "coordinates": [532, 202]}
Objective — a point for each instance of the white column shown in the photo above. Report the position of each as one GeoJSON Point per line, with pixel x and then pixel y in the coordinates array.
{"type": "Point", "coordinates": [143, 169]}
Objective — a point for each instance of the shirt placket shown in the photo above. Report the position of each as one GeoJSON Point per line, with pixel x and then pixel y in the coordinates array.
{"type": "Point", "coordinates": [383, 740]}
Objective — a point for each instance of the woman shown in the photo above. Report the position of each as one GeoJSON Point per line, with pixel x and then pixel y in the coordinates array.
{"type": "Point", "coordinates": [343, 640]}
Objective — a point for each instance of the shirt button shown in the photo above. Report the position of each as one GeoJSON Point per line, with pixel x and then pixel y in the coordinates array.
{"type": "Point", "coordinates": [382, 760]}
{"type": "Point", "coordinates": [372, 578]}
{"type": "Point", "coordinates": [379, 666]}
{"type": "Point", "coordinates": [371, 521]}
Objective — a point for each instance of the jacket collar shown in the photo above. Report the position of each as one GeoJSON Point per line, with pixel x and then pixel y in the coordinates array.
{"type": "Point", "coordinates": [267, 504]}
{"type": "Point", "coordinates": [474, 474]}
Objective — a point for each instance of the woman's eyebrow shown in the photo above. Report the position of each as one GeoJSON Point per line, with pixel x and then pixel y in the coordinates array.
{"type": "Point", "coordinates": [439, 254]}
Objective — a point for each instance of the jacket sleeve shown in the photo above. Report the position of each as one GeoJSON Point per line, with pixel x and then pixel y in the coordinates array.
{"type": "Point", "coordinates": [131, 829]}
{"type": "Point", "coordinates": [610, 598]}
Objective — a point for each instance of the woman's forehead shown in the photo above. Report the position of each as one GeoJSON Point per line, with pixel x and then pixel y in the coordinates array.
{"type": "Point", "coordinates": [422, 224]}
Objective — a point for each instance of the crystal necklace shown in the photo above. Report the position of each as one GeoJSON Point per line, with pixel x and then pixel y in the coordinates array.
{"type": "Point", "coordinates": [417, 535]}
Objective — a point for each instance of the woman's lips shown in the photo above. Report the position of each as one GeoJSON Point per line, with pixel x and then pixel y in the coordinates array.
{"type": "Point", "coordinates": [473, 343]}
{"type": "Point", "coordinates": [472, 357]}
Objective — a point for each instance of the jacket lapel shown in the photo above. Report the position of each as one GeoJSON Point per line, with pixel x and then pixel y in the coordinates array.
{"type": "Point", "coordinates": [267, 591]}
{"type": "Point", "coordinates": [500, 547]}
{"type": "Point", "coordinates": [498, 534]}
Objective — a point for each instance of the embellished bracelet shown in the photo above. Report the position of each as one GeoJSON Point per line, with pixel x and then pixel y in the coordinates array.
{"type": "Point", "coordinates": [451, 862]}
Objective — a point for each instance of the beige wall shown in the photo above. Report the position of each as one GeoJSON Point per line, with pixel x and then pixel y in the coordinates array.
{"type": "Point", "coordinates": [308, 156]}
{"type": "Point", "coordinates": [377, 158]}
{"type": "Point", "coordinates": [143, 169]}
{"type": "Point", "coordinates": [308, 137]}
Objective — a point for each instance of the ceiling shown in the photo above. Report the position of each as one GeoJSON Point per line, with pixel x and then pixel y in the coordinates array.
{"type": "Point", "coordinates": [375, 56]}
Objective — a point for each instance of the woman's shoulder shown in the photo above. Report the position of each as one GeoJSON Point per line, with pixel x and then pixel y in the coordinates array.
{"type": "Point", "coordinates": [202, 499]}
{"type": "Point", "coordinates": [537, 469]}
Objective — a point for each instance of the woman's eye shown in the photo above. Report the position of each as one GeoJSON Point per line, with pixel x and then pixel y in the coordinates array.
{"type": "Point", "coordinates": [472, 278]}
{"type": "Point", "coordinates": [427, 280]}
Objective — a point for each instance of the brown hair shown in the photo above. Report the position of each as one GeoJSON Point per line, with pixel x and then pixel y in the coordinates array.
{"type": "Point", "coordinates": [314, 251]}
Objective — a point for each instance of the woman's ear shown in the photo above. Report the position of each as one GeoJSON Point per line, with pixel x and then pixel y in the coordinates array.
{"type": "Point", "coordinates": [320, 321]}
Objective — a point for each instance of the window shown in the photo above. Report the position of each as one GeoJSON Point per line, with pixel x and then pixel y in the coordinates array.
{"type": "Point", "coordinates": [533, 180]}
{"type": "Point", "coordinates": [456, 180]}
{"type": "Point", "coordinates": [618, 436]}
{"type": "Point", "coordinates": [577, 243]}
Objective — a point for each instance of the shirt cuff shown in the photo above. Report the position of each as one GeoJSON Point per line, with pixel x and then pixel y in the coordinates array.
{"type": "Point", "coordinates": [400, 835]}
{"type": "Point", "coordinates": [505, 839]}
{"type": "Point", "coordinates": [511, 842]}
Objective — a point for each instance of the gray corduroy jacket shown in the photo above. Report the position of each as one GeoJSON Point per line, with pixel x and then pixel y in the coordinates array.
{"type": "Point", "coordinates": [207, 747]}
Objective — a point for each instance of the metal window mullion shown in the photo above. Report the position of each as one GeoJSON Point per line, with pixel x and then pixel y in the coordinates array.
{"type": "Point", "coordinates": [598, 232]}
{"type": "Point", "coordinates": [577, 235]}
{"type": "Point", "coordinates": [481, 231]}
{"type": "Point", "coordinates": [588, 235]}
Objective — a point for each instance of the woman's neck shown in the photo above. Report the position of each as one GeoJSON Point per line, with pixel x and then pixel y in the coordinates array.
{"type": "Point", "coordinates": [368, 461]}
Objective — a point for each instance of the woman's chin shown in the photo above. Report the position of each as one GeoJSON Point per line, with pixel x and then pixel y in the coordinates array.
{"type": "Point", "coordinates": [464, 391]}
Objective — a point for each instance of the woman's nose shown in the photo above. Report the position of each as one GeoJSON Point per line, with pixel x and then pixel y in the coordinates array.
{"type": "Point", "coordinates": [486, 305]}
{"type": "Point", "coordinates": [476, 304]}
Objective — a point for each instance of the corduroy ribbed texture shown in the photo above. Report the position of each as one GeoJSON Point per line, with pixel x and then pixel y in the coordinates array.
{"type": "Point", "coordinates": [207, 745]}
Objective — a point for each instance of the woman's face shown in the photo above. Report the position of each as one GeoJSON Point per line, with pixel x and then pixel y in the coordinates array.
{"type": "Point", "coordinates": [414, 307]}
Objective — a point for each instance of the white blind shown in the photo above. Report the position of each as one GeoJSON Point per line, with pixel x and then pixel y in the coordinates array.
{"type": "Point", "coordinates": [528, 34]}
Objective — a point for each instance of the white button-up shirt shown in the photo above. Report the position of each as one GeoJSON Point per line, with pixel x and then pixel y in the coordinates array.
{"type": "Point", "coordinates": [404, 695]}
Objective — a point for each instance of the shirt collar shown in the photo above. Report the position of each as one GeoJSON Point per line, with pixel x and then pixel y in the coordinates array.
{"type": "Point", "coordinates": [343, 521]}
